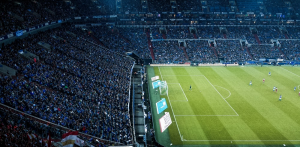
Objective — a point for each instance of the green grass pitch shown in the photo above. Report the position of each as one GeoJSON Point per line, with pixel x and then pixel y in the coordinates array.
{"type": "Point", "coordinates": [223, 109]}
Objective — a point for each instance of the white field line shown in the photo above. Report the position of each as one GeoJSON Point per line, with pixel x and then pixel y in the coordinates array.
{"type": "Point", "coordinates": [183, 75]}
{"type": "Point", "coordinates": [174, 118]}
{"type": "Point", "coordinates": [183, 92]}
{"type": "Point", "coordinates": [172, 109]}
{"type": "Point", "coordinates": [206, 115]}
{"type": "Point", "coordinates": [160, 74]}
{"type": "Point", "coordinates": [290, 72]}
{"type": "Point", "coordinates": [227, 91]}
{"type": "Point", "coordinates": [221, 96]}
{"type": "Point", "coordinates": [244, 140]}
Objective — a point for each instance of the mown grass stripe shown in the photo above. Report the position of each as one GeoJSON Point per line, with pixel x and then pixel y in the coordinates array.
{"type": "Point", "coordinates": [290, 97]}
{"type": "Point", "coordinates": [293, 70]}
{"type": "Point", "coordinates": [211, 126]}
{"type": "Point", "coordinates": [242, 130]}
{"type": "Point", "coordinates": [259, 122]}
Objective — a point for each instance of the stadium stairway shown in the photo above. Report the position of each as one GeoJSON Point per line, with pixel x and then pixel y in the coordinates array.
{"type": "Point", "coordinates": [35, 14]}
{"type": "Point", "coordinates": [215, 51]}
{"type": "Point", "coordinates": [5, 70]}
{"type": "Point", "coordinates": [195, 36]}
{"type": "Point", "coordinates": [97, 40]}
{"type": "Point", "coordinates": [125, 39]}
{"type": "Point", "coordinates": [49, 11]}
{"type": "Point", "coordinates": [150, 44]}
{"type": "Point", "coordinates": [185, 53]}
{"type": "Point", "coordinates": [164, 36]}
{"type": "Point", "coordinates": [248, 51]}
{"type": "Point", "coordinates": [286, 36]}
{"type": "Point", "coordinates": [19, 18]}
{"type": "Point", "coordinates": [225, 36]}
{"type": "Point", "coordinates": [281, 52]}
{"type": "Point", "coordinates": [256, 38]}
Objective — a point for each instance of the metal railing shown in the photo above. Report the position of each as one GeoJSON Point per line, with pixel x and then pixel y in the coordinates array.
{"type": "Point", "coordinates": [133, 112]}
{"type": "Point", "coordinates": [132, 129]}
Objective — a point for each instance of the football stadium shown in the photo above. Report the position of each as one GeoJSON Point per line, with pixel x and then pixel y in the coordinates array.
{"type": "Point", "coordinates": [149, 73]}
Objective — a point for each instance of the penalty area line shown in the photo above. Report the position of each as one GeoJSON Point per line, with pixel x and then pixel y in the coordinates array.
{"type": "Point", "coordinates": [172, 110]}
{"type": "Point", "coordinates": [183, 92]}
{"type": "Point", "coordinates": [221, 96]}
{"type": "Point", "coordinates": [183, 75]}
{"type": "Point", "coordinates": [206, 115]}
{"type": "Point", "coordinates": [290, 72]}
{"type": "Point", "coordinates": [245, 140]}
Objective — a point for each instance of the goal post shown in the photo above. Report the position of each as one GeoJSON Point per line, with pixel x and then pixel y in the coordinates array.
{"type": "Point", "coordinates": [163, 88]}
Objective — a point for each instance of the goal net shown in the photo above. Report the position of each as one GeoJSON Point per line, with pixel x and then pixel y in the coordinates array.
{"type": "Point", "coordinates": [163, 88]}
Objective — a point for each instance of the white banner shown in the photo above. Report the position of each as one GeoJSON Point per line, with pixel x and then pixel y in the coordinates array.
{"type": "Point", "coordinates": [79, 142]}
{"type": "Point", "coordinates": [165, 122]}
{"type": "Point", "coordinates": [279, 60]}
{"type": "Point", "coordinates": [155, 78]}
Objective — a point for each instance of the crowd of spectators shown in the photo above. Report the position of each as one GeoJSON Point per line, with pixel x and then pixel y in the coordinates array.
{"type": "Point", "coordinates": [168, 52]}
{"type": "Point", "coordinates": [155, 33]}
{"type": "Point", "coordinates": [159, 6]}
{"type": "Point", "coordinates": [238, 33]}
{"type": "Point", "coordinates": [18, 15]}
{"type": "Point", "coordinates": [209, 33]}
{"type": "Point", "coordinates": [129, 39]}
{"type": "Point", "coordinates": [14, 130]}
{"type": "Point", "coordinates": [189, 6]}
{"type": "Point", "coordinates": [94, 7]}
{"type": "Point", "coordinates": [199, 51]}
{"type": "Point", "coordinates": [17, 129]}
{"type": "Point", "coordinates": [123, 40]}
{"type": "Point", "coordinates": [264, 51]}
{"type": "Point", "coordinates": [291, 49]}
{"type": "Point", "coordinates": [24, 14]}
{"type": "Point", "coordinates": [76, 84]}
{"type": "Point", "coordinates": [131, 5]}
{"type": "Point", "coordinates": [265, 34]}
{"type": "Point", "coordinates": [232, 51]}
{"type": "Point", "coordinates": [228, 43]}
{"type": "Point", "coordinates": [293, 33]}
{"type": "Point", "coordinates": [179, 33]}
{"type": "Point", "coordinates": [106, 6]}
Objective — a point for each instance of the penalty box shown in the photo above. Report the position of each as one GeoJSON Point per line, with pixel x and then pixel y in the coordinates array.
{"type": "Point", "coordinates": [203, 100]}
